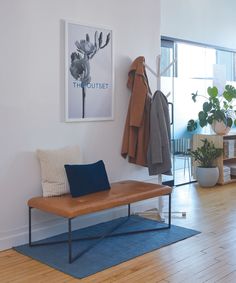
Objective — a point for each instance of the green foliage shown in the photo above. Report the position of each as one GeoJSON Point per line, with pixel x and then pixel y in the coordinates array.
{"type": "Point", "coordinates": [192, 125]}
{"type": "Point", "coordinates": [216, 108]}
{"type": "Point", "coordinates": [206, 154]}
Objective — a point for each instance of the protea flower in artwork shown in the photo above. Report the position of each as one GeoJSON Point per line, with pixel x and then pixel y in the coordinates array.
{"type": "Point", "coordinates": [80, 69]}
{"type": "Point", "coordinates": [80, 66]}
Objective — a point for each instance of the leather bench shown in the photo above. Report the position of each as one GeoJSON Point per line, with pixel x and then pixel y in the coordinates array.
{"type": "Point", "coordinates": [121, 193]}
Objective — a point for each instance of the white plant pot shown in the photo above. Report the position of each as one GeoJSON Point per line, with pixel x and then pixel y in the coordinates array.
{"type": "Point", "coordinates": [207, 177]}
{"type": "Point", "coordinates": [220, 128]}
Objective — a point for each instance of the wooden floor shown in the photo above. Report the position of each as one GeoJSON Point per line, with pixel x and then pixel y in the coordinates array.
{"type": "Point", "coordinates": [207, 257]}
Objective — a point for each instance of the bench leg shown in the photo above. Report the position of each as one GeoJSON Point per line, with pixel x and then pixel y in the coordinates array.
{"type": "Point", "coordinates": [169, 210]}
{"type": "Point", "coordinates": [69, 241]}
{"type": "Point", "coordinates": [34, 244]}
{"type": "Point", "coordinates": [129, 210]}
{"type": "Point", "coordinates": [30, 229]}
{"type": "Point", "coordinates": [56, 242]}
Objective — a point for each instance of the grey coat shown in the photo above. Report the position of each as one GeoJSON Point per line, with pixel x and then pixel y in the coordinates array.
{"type": "Point", "coordinates": [159, 152]}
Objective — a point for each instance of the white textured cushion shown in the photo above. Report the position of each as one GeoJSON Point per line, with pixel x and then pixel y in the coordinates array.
{"type": "Point", "coordinates": [54, 180]}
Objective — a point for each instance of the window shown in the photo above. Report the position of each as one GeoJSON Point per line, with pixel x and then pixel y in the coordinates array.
{"type": "Point", "coordinates": [167, 56]}
{"type": "Point", "coordinates": [195, 61]}
{"type": "Point", "coordinates": [196, 68]}
{"type": "Point", "coordinates": [227, 59]}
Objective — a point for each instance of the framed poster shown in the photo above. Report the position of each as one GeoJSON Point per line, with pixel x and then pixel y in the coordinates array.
{"type": "Point", "coordinates": [89, 73]}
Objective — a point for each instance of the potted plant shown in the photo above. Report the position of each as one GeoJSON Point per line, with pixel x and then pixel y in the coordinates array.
{"type": "Point", "coordinates": [207, 172]}
{"type": "Point", "coordinates": [217, 111]}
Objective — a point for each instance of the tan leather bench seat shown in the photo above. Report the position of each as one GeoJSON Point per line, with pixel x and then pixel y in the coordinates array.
{"type": "Point", "coordinates": [121, 193]}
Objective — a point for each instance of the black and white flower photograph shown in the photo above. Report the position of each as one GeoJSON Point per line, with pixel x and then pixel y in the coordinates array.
{"type": "Point", "coordinates": [89, 73]}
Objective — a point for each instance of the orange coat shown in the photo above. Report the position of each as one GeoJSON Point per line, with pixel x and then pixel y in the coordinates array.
{"type": "Point", "coordinates": [136, 132]}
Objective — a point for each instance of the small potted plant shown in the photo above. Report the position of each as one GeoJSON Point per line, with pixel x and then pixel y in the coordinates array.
{"type": "Point", "coordinates": [207, 173]}
{"type": "Point", "coordinates": [217, 111]}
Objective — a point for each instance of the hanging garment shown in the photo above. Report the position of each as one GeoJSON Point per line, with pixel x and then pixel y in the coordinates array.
{"type": "Point", "coordinates": [159, 151]}
{"type": "Point", "coordinates": [136, 131]}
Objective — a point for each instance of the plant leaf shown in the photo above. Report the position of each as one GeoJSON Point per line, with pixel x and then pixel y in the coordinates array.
{"type": "Point", "coordinates": [207, 106]}
{"type": "Point", "coordinates": [219, 115]}
{"type": "Point", "coordinates": [212, 91]}
{"type": "Point", "coordinates": [210, 120]}
{"type": "Point", "coordinates": [194, 96]}
{"type": "Point", "coordinates": [229, 122]}
{"type": "Point", "coordinates": [192, 125]}
{"type": "Point", "coordinates": [202, 118]}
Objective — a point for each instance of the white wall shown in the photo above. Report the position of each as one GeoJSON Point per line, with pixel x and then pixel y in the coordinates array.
{"type": "Point", "coordinates": [32, 94]}
{"type": "Point", "coordinates": [211, 22]}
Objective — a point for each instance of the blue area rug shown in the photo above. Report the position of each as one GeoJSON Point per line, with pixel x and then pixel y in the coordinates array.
{"type": "Point", "coordinates": [110, 251]}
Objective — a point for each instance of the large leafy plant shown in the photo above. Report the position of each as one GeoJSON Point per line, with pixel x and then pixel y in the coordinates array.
{"type": "Point", "coordinates": [206, 154]}
{"type": "Point", "coordinates": [215, 108]}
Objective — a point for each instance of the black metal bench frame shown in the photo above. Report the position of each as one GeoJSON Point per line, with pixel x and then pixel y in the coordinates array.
{"type": "Point", "coordinates": [107, 234]}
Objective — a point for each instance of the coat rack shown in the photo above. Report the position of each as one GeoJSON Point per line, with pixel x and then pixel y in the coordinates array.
{"type": "Point", "coordinates": [158, 75]}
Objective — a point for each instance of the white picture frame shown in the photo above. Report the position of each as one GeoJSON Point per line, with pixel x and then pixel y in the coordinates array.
{"type": "Point", "coordinates": [89, 85]}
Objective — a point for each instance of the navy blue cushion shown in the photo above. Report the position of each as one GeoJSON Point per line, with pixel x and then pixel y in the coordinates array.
{"type": "Point", "coordinates": [87, 178]}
